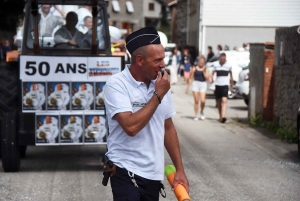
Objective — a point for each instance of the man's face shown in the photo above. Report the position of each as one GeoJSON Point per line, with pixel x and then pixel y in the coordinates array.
{"type": "Point", "coordinates": [154, 61]}
{"type": "Point", "coordinates": [185, 52]}
{"type": "Point", "coordinates": [48, 120]}
{"type": "Point", "coordinates": [59, 87]}
{"type": "Point", "coordinates": [96, 119]}
{"type": "Point", "coordinates": [34, 87]}
{"type": "Point", "coordinates": [83, 87]}
{"type": "Point", "coordinates": [46, 8]}
{"type": "Point", "coordinates": [222, 60]}
{"type": "Point", "coordinates": [71, 20]}
{"type": "Point", "coordinates": [72, 119]}
{"type": "Point", "coordinates": [88, 23]}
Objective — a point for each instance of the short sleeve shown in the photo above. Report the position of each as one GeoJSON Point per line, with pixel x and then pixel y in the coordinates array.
{"type": "Point", "coordinates": [116, 99]}
{"type": "Point", "coordinates": [170, 111]}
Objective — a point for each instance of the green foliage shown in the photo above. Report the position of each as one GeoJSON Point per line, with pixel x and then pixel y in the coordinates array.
{"type": "Point", "coordinates": [287, 134]}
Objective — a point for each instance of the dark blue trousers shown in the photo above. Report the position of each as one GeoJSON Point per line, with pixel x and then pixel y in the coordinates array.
{"type": "Point", "coordinates": [124, 190]}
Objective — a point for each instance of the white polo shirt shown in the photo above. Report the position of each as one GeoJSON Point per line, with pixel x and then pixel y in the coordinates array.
{"type": "Point", "coordinates": [222, 72]}
{"type": "Point", "coordinates": [142, 154]}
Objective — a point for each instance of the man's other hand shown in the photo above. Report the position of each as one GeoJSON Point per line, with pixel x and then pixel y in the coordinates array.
{"type": "Point", "coordinates": [180, 178]}
{"type": "Point", "coordinates": [72, 42]}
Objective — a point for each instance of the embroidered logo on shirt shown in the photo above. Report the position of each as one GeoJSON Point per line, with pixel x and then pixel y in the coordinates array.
{"type": "Point", "coordinates": [137, 104]}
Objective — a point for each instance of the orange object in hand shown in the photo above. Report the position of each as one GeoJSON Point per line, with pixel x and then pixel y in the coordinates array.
{"type": "Point", "coordinates": [180, 191]}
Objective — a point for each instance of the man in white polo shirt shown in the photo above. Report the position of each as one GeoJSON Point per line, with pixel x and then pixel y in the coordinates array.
{"type": "Point", "coordinates": [223, 78]}
{"type": "Point", "coordinates": [139, 110]}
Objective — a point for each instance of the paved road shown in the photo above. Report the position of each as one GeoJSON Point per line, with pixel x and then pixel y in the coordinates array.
{"type": "Point", "coordinates": [229, 161]}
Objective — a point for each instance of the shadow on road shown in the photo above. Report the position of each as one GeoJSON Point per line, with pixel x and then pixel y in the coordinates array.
{"type": "Point", "coordinates": [239, 107]}
{"type": "Point", "coordinates": [64, 158]}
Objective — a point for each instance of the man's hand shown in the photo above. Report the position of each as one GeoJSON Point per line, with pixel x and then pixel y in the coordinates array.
{"type": "Point", "coordinates": [180, 178]}
{"type": "Point", "coordinates": [72, 42]}
{"type": "Point", "coordinates": [162, 84]}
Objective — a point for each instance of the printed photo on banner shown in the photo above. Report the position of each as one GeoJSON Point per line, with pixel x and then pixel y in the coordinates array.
{"type": "Point", "coordinates": [99, 94]}
{"type": "Point", "coordinates": [95, 129]}
{"type": "Point", "coordinates": [58, 96]}
{"type": "Point", "coordinates": [71, 129]}
{"type": "Point", "coordinates": [34, 96]}
{"type": "Point", "coordinates": [47, 129]}
{"type": "Point", "coordinates": [82, 96]}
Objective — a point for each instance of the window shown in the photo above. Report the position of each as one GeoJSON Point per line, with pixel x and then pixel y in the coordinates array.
{"type": "Point", "coordinates": [129, 7]}
{"type": "Point", "coordinates": [151, 6]}
{"type": "Point", "coordinates": [52, 33]}
{"type": "Point", "coordinates": [115, 5]}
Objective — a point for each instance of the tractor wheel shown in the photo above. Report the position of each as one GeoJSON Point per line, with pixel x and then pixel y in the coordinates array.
{"type": "Point", "coordinates": [298, 131]}
{"type": "Point", "coordinates": [9, 143]}
{"type": "Point", "coordinates": [9, 90]}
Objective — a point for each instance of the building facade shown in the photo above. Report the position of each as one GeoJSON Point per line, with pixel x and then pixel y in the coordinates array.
{"type": "Point", "coordinates": [231, 23]}
{"type": "Point", "coordinates": [131, 15]}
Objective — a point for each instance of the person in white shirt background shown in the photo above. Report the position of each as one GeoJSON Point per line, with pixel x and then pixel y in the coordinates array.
{"type": "Point", "coordinates": [87, 25]}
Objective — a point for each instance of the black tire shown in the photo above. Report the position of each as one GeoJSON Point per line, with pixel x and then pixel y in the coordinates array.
{"type": "Point", "coordinates": [23, 149]}
{"type": "Point", "coordinates": [246, 100]}
{"type": "Point", "coordinates": [9, 76]}
{"type": "Point", "coordinates": [298, 131]}
{"type": "Point", "coordinates": [10, 149]}
{"type": "Point", "coordinates": [9, 90]}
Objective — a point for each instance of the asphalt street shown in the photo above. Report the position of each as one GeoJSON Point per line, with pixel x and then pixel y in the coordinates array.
{"type": "Point", "coordinates": [231, 161]}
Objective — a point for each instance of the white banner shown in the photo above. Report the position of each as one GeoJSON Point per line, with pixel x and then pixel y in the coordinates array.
{"type": "Point", "coordinates": [63, 68]}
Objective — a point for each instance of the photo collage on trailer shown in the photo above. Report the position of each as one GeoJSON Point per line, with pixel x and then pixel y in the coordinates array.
{"type": "Point", "coordinates": [68, 113]}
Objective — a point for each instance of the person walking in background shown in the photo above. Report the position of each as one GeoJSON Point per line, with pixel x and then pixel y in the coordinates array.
{"type": "Point", "coordinates": [186, 66]}
{"type": "Point", "coordinates": [199, 86]}
{"type": "Point", "coordinates": [174, 62]}
{"type": "Point", "coordinates": [210, 53]}
{"type": "Point", "coordinates": [222, 69]}
{"type": "Point", "coordinates": [179, 71]}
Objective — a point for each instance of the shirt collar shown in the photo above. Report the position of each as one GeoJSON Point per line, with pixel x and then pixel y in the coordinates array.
{"type": "Point", "coordinates": [128, 75]}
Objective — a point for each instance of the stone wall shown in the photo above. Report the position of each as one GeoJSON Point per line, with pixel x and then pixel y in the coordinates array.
{"type": "Point", "coordinates": [287, 76]}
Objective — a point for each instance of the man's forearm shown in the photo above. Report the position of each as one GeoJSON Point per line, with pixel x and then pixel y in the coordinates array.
{"type": "Point", "coordinates": [135, 122]}
{"type": "Point", "coordinates": [172, 145]}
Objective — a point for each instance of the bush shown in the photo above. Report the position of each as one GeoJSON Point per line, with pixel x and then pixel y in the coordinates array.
{"type": "Point", "coordinates": [287, 134]}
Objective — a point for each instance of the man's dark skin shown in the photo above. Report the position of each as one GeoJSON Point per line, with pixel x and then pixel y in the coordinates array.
{"type": "Point", "coordinates": [71, 21]}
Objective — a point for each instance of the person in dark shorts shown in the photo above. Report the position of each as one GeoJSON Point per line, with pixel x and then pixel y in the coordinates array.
{"type": "Point", "coordinates": [223, 76]}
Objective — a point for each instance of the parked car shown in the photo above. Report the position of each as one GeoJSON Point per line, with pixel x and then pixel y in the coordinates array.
{"type": "Point", "coordinates": [236, 59]}
{"type": "Point", "coordinates": [242, 86]}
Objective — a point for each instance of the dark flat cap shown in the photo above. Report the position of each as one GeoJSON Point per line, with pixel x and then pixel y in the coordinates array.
{"type": "Point", "coordinates": [142, 37]}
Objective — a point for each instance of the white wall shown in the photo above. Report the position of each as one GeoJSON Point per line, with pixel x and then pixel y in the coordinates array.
{"type": "Point", "coordinates": [236, 36]}
{"type": "Point", "coordinates": [266, 13]}
{"type": "Point", "coordinates": [151, 14]}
